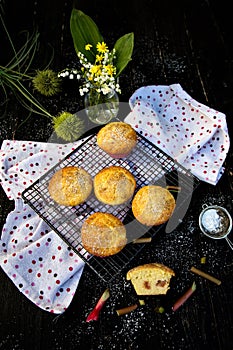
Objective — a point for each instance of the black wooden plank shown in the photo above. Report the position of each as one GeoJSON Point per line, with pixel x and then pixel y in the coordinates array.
{"type": "Point", "coordinates": [186, 42]}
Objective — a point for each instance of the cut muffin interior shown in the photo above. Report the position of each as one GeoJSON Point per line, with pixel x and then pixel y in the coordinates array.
{"type": "Point", "coordinates": [150, 279]}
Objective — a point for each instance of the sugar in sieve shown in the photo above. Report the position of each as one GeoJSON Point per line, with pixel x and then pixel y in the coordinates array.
{"type": "Point", "coordinates": [216, 222]}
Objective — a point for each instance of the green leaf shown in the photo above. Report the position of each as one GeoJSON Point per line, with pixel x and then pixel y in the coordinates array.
{"type": "Point", "coordinates": [124, 49]}
{"type": "Point", "coordinates": [84, 31]}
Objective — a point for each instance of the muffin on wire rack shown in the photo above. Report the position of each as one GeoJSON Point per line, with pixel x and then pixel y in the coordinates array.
{"type": "Point", "coordinates": [114, 185]}
{"type": "Point", "coordinates": [117, 139]}
{"type": "Point", "coordinates": [103, 234]}
{"type": "Point", "coordinates": [70, 186]}
{"type": "Point", "coordinates": [153, 205]}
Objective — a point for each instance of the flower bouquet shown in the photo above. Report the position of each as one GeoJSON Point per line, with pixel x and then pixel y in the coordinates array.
{"type": "Point", "coordinates": [100, 66]}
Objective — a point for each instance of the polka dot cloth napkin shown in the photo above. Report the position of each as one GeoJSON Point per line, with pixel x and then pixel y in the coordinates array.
{"type": "Point", "coordinates": [190, 132]}
{"type": "Point", "coordinates": [39, 263]}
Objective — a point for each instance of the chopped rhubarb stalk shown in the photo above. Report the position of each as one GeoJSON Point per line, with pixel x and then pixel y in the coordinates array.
{"type": "Point", "coordinates": [184, 297]}
{"type": "Point", "coordinates": [126, 310]}
{"type": "Point", "coordinates": [203, 260]}
{"type": "Point", "coordinates": [94, 314]}
{"type": "Point", "coordinates": [205, 275]}
{"type": "Point", "coordinates": [159, 309]}
{"type": "Point", "coordinates": [173, 188]}
{"type": "Point", "coordinates": [143, 240]}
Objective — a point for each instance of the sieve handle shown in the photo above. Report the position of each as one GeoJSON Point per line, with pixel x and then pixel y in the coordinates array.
{"type": "Point", "coordinates": [229, 242]}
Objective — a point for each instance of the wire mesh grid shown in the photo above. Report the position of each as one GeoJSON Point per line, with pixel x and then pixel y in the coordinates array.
{"type": "Point", "coordinates": [147, 163]}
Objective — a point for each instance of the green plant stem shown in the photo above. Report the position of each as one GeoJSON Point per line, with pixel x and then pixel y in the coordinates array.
{"type": "Point", "coordinates": [29, 97]}
{"type": "Point", "coordinates": [8, 35]}
{"type": "Point", "coordinates": [15, 71]}
{"type": "Point", "coordinates": [4, 71]}
{"type": "Point", "coordinates": [24, 53]}
{"type": "Point", "coordinates": [25, 120]}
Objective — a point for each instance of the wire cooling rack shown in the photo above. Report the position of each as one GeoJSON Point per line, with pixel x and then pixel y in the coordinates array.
{"type": "Point", "coordinates": [147, 163]}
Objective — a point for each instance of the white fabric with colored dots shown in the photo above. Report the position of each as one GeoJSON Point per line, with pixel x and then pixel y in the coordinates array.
{"type": "Point", "coordinates": [35, 258]}
{"type": "Point", "coordinates": [190, 132]}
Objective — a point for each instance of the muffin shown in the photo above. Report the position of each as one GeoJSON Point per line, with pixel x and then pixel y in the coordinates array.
{"type": "Point", "coordinates": [70, 186]}
{"type": "Point", "coordinates": [103, 234]}
{"type": "Point", "coordinates": [114, 185]}
{"type": "Point", "coordinates": [117, 139]}
{"type": "Point", "coordinates": [153, 205]}
{"type": "Point", "coordinates": [150, 279]}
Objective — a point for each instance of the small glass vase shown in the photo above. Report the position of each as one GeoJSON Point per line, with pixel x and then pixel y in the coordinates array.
{"type": "Point", "coordinates": [100, 107]}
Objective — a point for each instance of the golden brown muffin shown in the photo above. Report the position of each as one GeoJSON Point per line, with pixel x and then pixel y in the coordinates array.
{"type": "Point", "coordinates": [70, 186]}
{"type": "Point", "coordinates": [150, 279]}
{"type": "Point", "coordinates": [153, 205]}
{"type": "Point", "coordinates": [103, 234]}
{"type": "Point", "coordinates": [117, 139]}
{"type": "Point", "coordinates": [114, 185]}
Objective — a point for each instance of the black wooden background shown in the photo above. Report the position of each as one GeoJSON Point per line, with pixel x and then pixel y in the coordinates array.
{"type": "Point", "coordinates": [187, 42]}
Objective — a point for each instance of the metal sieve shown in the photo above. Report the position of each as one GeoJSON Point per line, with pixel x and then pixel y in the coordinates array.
{"type": "Point", "coordinates": [216, 222]}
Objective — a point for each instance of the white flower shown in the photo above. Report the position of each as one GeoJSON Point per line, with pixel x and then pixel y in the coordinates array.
{"type": "Point", "coordinates": [105, 90]}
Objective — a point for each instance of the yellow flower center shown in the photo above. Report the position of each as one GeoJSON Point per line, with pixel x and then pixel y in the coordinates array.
{"type": "Point", "coordinates": [96, 69]}
{"type": "Point", "coordinates": [99, 58]}
{"type": "Point", "coordinates": [102, 47]}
